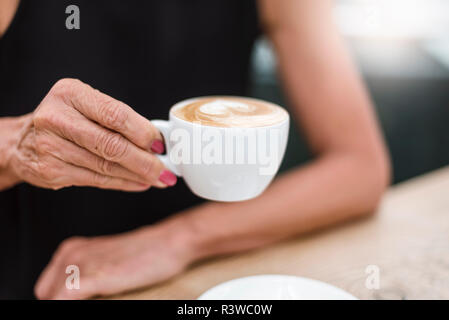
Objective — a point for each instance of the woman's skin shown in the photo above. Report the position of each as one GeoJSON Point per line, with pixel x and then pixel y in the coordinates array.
{"type": "Point", "coordinates": [346, 180]}
{"type": "Point", "coordinates": [7, 10]}
{"type": "Point", "coordinates": [78, 136]}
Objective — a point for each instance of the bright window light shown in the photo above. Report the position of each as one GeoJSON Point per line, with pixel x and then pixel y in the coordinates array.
{"type": "Point", "coordinates": [393, 18]}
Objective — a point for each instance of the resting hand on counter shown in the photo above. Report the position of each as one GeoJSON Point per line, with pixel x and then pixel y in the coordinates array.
{"type": "Point", "coordinates": [112, 264]}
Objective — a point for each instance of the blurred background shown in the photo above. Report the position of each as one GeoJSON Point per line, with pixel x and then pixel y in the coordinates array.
{"type": "Point", "coordinates": [402, 50]}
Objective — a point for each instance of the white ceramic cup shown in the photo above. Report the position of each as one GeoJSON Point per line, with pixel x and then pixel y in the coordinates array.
{"type": "Point", "coordinates": [223, 163]}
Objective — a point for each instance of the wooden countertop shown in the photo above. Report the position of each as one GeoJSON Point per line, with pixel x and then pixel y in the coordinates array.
{"type": "Point", "coordinates": [408, 241]}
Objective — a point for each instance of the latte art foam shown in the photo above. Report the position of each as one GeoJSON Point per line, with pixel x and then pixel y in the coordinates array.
{"type": "Point", "coordinates": [231, 112]}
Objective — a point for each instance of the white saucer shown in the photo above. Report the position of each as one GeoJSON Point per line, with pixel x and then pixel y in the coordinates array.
{"type": "Point", "coordinates": [275, 287]}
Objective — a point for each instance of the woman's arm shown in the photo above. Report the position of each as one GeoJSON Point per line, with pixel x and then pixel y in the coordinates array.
{"type": "Point", "coordinates": [328, 99]}
{"type": "Point", "coordinates": [9, 127]}
{"type": "Point", "coordinates": [9, 136]}
{"type": "Point", "coordinates": [8, 9]}
{"type": "Point", "coordinates": [346, 180]}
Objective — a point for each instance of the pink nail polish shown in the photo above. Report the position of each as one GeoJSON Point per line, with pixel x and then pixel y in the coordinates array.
{"type": "Point", "coordinates": [168, 178]}
{"type": "Point", "coordinates": [157, 146]}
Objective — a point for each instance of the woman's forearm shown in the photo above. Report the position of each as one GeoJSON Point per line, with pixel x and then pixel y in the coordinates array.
{"type": "Point", "coordinates": [334, 188]}
{"type": "Point", "coordinates": [336, 116]}
{"type": "Point", "coordinates": [9, 136]}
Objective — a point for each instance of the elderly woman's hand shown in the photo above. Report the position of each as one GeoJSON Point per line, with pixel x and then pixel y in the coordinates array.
{"type": "Point", "coordinates": [79, 136]}
{"type": "Point", "coordinates": [112, 264]}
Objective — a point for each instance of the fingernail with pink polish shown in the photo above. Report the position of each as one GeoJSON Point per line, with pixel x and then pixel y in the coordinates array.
{"type": "Point", "coordinates": [168, 178]}
{"type": "Point", "coordinates": [157, 146]}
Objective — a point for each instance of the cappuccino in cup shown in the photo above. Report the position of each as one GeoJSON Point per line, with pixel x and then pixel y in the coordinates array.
{"type": "Point", "coordinates": [231, 112]}
{"type": "Point", "coordinates": [225, 148]}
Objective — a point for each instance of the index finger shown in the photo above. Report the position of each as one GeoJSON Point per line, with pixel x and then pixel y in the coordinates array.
{"type": "Point", "coordinates": [109, 112]}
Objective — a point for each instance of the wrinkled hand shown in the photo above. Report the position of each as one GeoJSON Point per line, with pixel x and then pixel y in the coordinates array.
{"type": "Point", "coordinates": [112, 264]}
{"type": "Point", "coordinates": [79, 136]}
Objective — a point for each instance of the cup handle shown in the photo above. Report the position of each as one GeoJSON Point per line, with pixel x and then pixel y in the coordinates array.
{"type": "Point", "coordinates": [164, 127]}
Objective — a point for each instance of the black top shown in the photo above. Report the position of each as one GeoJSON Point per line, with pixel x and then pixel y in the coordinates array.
{"type": "Point", "coordinates": [149, 54]}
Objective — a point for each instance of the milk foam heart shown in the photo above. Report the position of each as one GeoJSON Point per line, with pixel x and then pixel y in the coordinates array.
{"type": "Point", "coordinates": [231, 112]}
